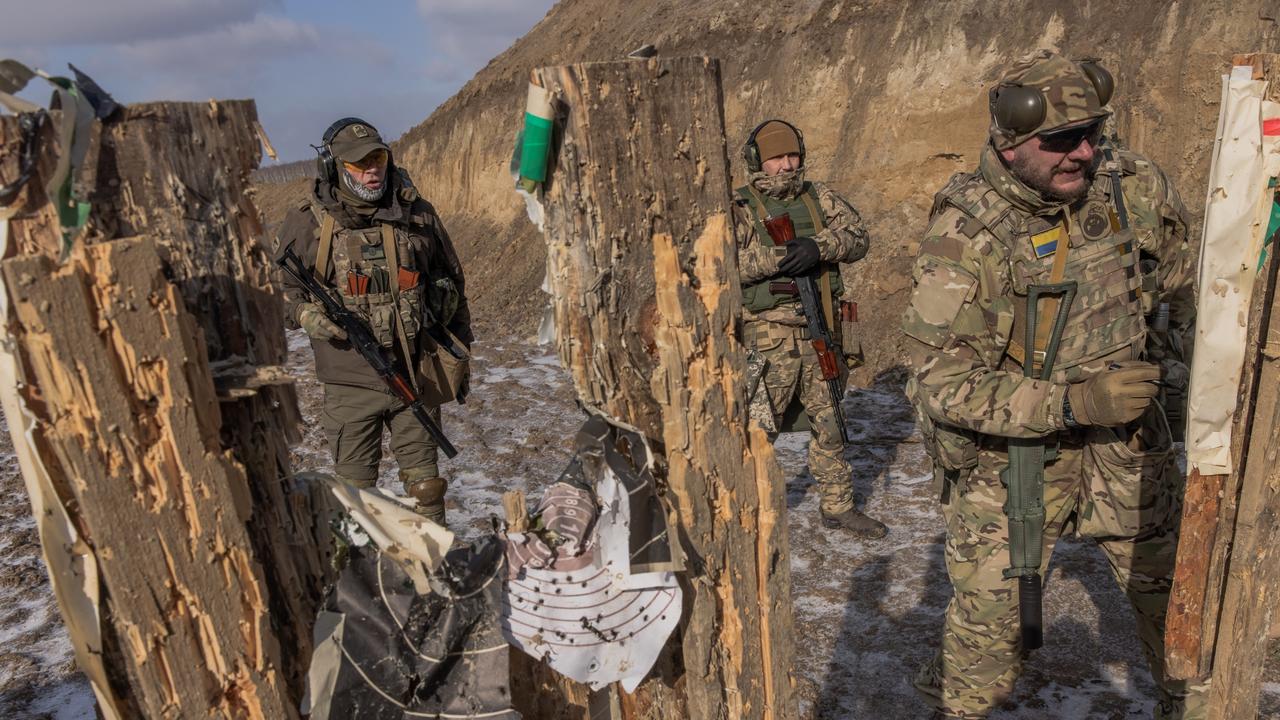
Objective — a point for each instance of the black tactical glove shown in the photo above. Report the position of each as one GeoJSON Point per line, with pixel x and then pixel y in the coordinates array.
{"type": "Point", "coordinates": [802, 255]}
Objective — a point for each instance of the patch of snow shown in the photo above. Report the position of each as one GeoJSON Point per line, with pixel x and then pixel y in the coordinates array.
{"type": "Point", "coordinates": [72, 700]}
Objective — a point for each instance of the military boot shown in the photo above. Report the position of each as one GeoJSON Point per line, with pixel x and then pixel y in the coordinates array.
{"type": "Point", "coordinates": [428, 494]}
{"type": "Point", "coordinates": [856, 522]}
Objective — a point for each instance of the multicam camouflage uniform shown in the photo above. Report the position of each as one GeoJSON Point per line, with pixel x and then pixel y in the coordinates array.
{"type": "Point", "coordinates": [782, 362]}
{"type": "Point", "coordinates": [985, 245]}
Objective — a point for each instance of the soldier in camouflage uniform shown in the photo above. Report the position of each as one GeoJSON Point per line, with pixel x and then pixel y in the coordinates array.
{"type": "Point", "coordinates": [1044, 206]}
{"type": "Point", "coordinates": [783, 365]}
{"type": "Point", "coordinates": [366, 232]}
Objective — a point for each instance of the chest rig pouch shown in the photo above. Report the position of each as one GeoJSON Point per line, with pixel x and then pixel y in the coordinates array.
{"type": "Point", "coordinates": [374, 270]}
{"type": "Point", "coordinates": [1089, 245]}
{"type": "Point", "coordinates": [808, 219]}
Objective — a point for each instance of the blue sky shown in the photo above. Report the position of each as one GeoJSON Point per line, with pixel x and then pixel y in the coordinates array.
{"type": "Point", "coordinates": [306, 63]}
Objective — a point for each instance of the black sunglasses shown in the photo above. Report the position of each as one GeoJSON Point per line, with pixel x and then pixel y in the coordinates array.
{"type": "Point", "coordinates": [1067, 139]}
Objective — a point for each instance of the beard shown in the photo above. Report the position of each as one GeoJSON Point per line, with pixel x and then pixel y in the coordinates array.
{"type": "Point", "coordinates": [1040, 179]}
{"type": "Point", "coordinates": [360, 190]}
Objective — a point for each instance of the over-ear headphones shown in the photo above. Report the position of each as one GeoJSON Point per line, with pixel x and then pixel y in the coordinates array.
{"type": "Point", "coordinates": [326, 165]}
{"type": "Point", "coordinates": [751, 151]}
{"type": "Point", "coordinates": [1020, 109]}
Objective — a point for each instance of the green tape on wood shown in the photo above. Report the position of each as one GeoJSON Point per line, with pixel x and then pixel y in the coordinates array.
{"type": "Point", "coordinates": [535, 148]}
{"type": "Point", "coordinates": [1273, 226]}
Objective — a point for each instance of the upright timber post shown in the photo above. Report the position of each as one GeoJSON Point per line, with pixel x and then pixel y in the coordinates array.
{"type": "Point", "coordinates": [643, 276]}
{"type": "Point", "coordinates": [1227, 582]}
{"type": "Point", "coordinates": [148, 405]}
{"type": "Point", "coordinates": [1251, 586]}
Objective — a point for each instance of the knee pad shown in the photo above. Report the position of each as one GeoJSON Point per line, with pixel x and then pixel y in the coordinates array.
{"type": "Point", "coordinates": [425, 490]}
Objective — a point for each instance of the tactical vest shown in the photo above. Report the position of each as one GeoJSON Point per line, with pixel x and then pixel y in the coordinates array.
{"type": "Point", "coordinates": [375, 272]}
{"type": "Point", "coordinates": [808, 219]}
{"type": "Point", "coordinates": [1106, 320]}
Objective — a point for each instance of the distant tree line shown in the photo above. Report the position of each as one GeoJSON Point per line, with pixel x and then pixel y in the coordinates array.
{"type": "Point", "coordinates": [284, 172]}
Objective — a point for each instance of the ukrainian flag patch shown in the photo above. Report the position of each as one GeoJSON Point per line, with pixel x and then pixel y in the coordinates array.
{"type": "Point", "coordinates": [1046, 243]}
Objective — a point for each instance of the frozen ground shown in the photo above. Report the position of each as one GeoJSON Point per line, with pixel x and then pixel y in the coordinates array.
{"type": "Point", "coordinates": [869, 611]}
{"type": "Point", "coordinates": [38, 677]}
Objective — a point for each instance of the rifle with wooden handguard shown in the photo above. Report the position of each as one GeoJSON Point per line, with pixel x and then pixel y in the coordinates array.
{"type": "Point", "coordinates": [364, 342]}
{"type": "Point", "coordinates": [783, 231]}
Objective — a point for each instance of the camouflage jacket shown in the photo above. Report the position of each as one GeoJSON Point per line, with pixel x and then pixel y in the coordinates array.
{"type": "Point", "coordinates": [959, 321]}
{"type": "Point", "coordinates": [844, 240]}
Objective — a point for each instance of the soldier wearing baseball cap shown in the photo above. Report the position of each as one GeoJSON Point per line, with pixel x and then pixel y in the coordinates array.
{"type": "Point", "coordinates": [1049, 205]}
{"type": "Point", "coordinates": [366, 233]}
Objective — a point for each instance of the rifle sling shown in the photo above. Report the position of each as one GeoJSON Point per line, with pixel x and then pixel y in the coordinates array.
{"type": "Point", "coordinates": [824, 281]}
{"type": "Point", "coordinates": [393, 273]}
{"type": "Point", "coordinates": [326, 246]}
{"type": "Point", "coordinates": [1043, 329]}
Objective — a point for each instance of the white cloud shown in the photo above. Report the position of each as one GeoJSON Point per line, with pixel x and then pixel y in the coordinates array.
{"type": "Point", "coordinates": [230, 61]}
{"type": "Point", "coordinates": [469, 34]}
{"type": "Point", "coordinates": [237, 45]}
{"type": "Point", "coordinates": [66, 22]}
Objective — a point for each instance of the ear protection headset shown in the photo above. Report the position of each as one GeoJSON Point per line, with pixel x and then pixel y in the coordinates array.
{"type": "Point", "coordinates": [326, 165]}
{"type": "Point", "coordinates": [751, 151]}
{"type": "Point", "coordinates": [1019, 109]}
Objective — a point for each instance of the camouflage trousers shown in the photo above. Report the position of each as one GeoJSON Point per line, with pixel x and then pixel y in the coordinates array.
{"type": "Point", "coordinates": [353, 420]}
{"type": "Point", "coordinates": [787, 369]}
{"type": "Point", "coordinates": [1128, 501]}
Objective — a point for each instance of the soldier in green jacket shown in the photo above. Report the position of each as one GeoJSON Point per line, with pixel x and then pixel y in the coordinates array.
{"type": "Point", "coordinates": [788, 391]}
{"type": "Point", "coordinates": [1049, 202]}
{"type": "Point", "coordinates": [366, 232]}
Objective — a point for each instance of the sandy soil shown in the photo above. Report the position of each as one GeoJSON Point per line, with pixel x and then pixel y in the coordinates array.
{"type": "Point", "coordinates": [869, 611]}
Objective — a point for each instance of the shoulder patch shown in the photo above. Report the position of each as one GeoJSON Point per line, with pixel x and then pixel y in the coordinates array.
{"type": "Point", "coordinates": [1044, 244]}
{"type": "Point", "coordinates": [941, 291]}
{"type": "Point", "coordinates": [942, 245]}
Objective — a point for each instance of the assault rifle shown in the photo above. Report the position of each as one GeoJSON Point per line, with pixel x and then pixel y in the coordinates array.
{"type": "Point", "coordinates": [364, 342]}
{"type": "Point", "coordinates": [783, 231]}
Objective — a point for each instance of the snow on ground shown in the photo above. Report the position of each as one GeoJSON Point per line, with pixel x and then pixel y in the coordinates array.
{"type": "Point", "coordinates": [38, 678]}
{"type": "Point", "coordinates": [869, 612]}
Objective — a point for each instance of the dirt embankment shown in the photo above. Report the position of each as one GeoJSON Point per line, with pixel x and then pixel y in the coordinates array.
{"type": "Point", "coordinates": [891, 97]}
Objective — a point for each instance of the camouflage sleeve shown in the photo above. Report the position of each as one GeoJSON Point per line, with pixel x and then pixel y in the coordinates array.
{"type": "Point", "coordinates": [957, 326]}
{"type": "Point", "coordinates": [845, 238]}
{"type": "Point", "coordinates": [1161, 225]}
{"type": "Point", "coordinates": [756, 260]}
{"type": "Point", "coordinates": [446, 256]}
{"type": "Point", "coordinates": [299, 229]}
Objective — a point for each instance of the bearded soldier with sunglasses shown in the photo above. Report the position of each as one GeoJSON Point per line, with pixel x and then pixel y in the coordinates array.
{"type": "Point", "coordinates": [787, 388]}
{"type": "Point", "coordinates": [366, 234]}
{"type": "Point", "coordinates": [1057, 227]}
